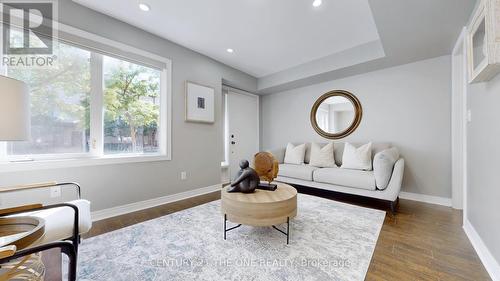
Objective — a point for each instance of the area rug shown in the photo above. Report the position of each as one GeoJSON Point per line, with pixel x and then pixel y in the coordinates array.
{"type": "Point", "coordinates": [329, 241]}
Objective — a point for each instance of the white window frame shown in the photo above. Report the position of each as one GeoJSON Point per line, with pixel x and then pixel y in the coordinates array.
{"type": "Point", "coordinates": [95, 156]}
{"type": "Point", "coordinates": [325, 118]}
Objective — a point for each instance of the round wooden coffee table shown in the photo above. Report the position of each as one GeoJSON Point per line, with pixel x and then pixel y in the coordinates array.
{"type": "Point", "coordinates": [261, 208]}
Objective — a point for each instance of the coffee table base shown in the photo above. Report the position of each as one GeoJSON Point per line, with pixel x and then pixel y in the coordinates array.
{"type": "Point", "coordinates": [287, 233]}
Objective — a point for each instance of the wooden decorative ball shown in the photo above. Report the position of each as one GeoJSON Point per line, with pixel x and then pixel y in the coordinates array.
{"type": "Point", "coordinates": [266, 166]}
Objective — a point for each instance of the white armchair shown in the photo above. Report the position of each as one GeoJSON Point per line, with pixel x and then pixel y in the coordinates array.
{"type": "Point", "coordinates": [63, 223]}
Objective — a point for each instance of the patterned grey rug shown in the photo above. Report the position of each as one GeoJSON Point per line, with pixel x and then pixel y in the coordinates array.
{"type": "Point", "coordinates": [329, 241]}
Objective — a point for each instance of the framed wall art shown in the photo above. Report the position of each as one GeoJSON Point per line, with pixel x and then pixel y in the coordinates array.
{"type": "Point", "coordinates": [199, 103]}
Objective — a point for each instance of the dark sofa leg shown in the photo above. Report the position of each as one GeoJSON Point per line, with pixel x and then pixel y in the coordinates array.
{"type": "Point", "coordinates": [394, 205]}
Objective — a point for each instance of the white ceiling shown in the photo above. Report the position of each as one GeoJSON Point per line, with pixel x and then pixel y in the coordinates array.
{"type": "Point", "coordinates": [267, 36]}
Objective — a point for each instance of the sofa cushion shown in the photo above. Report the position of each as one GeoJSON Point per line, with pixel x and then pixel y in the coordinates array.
{"type": "Point", "coordinates": [322, 156]}
{"type": "Point", "coordinates": [357, 158]}
{"type": "Point", "coordinates": [383, 164]}
{"type": "Point", "coordinates": [346, 177]}
{"type": "Point", "coordinates": [303, 172]}
{"type": "Point", "coordinates": [339, 149]}
{"type": "Point", "coordinates": [295, 154]}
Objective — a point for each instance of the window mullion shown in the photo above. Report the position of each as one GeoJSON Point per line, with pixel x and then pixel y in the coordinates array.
{"type": "Point", "coordinates": [96, 105]}
{"type": "Point", "coordinates": [3, 151]}
{"type": "Point", "coordinates": [164, 104]}
{"type": "Point", "coordinates": [3, 144]}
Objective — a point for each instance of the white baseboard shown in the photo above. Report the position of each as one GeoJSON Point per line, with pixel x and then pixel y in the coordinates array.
{"type": "Point", "coordinates": [137, 206]}
{"type": "Point", "coordinates": [489, 262]}
{"type": "Point", "coordinates": [426, 198]}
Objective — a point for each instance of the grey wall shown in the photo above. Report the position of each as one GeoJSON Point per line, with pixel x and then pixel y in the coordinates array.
{"type": "Point", "coordinates": [196, 148]}
{"type": "Point", "coordinates": [483, 152]}
{"type": "Point", "coordinates": [408, 106]}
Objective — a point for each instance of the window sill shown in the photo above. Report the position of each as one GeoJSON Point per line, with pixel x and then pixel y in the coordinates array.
{"type": "Point", "coordinates": [78, 162]}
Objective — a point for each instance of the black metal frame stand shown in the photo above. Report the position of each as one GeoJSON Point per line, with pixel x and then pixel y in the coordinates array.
{"type": "Point", "coordinates": [225, 226]}
{"type": "Point", "coordinates": [287, 233]}
{"type": "Point", "coordinates": [66, 248]}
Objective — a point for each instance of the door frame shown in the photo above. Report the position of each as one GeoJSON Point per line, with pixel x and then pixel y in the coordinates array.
{"type": "Point", "coordinates": [225, 90]}
{"type": "Point", "coordinates": [460, 157]}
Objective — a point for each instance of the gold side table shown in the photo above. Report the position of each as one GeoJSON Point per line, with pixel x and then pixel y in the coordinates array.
{"type": "Point", "coordinates": [22, 232]}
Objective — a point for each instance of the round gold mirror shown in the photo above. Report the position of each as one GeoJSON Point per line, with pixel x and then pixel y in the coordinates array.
{"type": "Point", "coordinates": [336, 114]}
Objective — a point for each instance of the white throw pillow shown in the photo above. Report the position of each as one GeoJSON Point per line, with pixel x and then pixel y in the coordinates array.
{"type": "Point", "coordinates": [322, 157]}
{"type": "Point", "coordinates": [357, 158]}
{"type": "Point", "coordinates": [295, 154]}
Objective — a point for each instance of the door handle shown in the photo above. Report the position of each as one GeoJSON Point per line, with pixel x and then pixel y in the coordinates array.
{"type": "Point", "coordinates": [232, 142]}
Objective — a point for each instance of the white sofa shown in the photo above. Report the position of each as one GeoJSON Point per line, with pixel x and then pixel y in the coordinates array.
{"type": "Point", "coordinates": [355, 182]}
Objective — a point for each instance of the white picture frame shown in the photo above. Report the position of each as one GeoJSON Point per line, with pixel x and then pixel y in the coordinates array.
{"type": "Point", "coordinates": [483, 56]}
{"type": "Point", "coordinates": [200, 103]}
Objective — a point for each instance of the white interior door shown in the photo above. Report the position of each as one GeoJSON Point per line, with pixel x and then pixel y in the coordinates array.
{"type": "Point", "coordinates": [243, 128]}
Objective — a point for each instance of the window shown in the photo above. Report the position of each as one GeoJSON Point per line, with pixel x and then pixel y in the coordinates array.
{"type": "Point", "coordinates": [95, 105]}
{"type": "Point", "coordinates": [60, 98]}
{"type": "Point", "coordinates": [322, 118]}
{"type": "Point", "coordinates": [131, 107]}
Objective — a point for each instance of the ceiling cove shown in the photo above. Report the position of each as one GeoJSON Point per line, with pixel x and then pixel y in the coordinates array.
{"type": "Point", "coordinates": [288, 44]}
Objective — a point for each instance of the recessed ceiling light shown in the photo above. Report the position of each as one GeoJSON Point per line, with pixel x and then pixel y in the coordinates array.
{"type": "Point", "coordinates": [230, 50]}
{"type": "Point", "coordinates": [317, 3]}
{"type": "Point", "coordinates": [144, 7]}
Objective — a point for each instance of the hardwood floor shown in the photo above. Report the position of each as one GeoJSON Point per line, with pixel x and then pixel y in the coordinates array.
{"type": "Point", "coordinates": [421, 242]}
{"type": "Point", "coordinates": [424, 242]}
{"type": "Point", "coordinates": [122, 221]}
